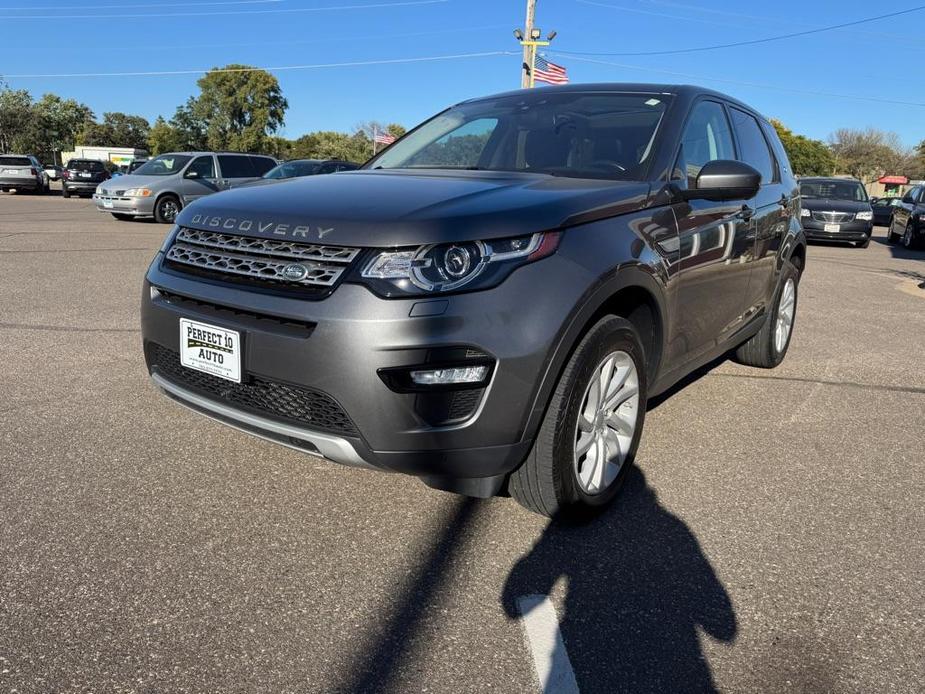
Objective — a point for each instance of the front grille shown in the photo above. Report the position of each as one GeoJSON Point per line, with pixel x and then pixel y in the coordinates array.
{"type": "Point", "coordinates": [269, 262]}
{"type": "Point", "coordinates": [833, 217]}
{"type": "Point", "coordinates": [268, 398]}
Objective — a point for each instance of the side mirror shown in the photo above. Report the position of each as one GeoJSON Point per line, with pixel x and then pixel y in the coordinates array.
{"type": "Point", "coordinates": [724, 179]}
{"type": "Point", "coordinates": [192, 174]}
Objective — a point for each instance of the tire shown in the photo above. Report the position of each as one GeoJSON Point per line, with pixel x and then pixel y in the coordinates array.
{"type": "Point", "coordinates": [763, 349]}
{"type": "Point", "coordinates": [166, 209]}
{"type": "Point", "coordinates": [123, 217]}
{"type": "Point", "coordinates": [864, 244]}
{"type": "Point", "coordinates": [555, 477]}
{"type": "Point", "coordinates": [65, 193]}
{"type": "Point", "coordinates": [909, 240]}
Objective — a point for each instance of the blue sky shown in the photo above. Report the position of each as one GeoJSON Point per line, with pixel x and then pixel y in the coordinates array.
{"type": "Point", "coordinates": [793, 79]}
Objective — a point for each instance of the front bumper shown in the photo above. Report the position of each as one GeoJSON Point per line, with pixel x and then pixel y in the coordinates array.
{"type": "Point", "coordinates": [851, 231]}
{"type": "Point", "coordinates": [339, 344]}
{"type": "Point", "coordinates": [136, 207]}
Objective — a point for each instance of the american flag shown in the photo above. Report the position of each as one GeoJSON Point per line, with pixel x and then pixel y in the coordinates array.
{"type": "Point", "coordinates": [384, 138]}
{"type": "Point", "coordinates": [545, 71]}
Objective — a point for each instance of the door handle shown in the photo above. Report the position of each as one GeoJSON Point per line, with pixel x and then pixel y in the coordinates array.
{"type": "Point", "coordinates": [746, 213]}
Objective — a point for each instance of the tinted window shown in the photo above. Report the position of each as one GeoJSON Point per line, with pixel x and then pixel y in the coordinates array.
{"type": "Point", "coordinates": [85, 165]}
{"type": "Point", "coordinates": [262, 165]}
{"type": "Point", "coordinates": [833, 190]}
{"type": "Point", "coordinates": [606, 135]}
{"type": "Point", "coordinates": [204, 166]}
{"type": "Point", "coordinates": [236, 167]}
{"type": "Point", "coordinates": [706, 138]}
{"type": "Point", "coordinates": [15, 161]}
{"type": "Point", "coordinates": [753, 145]}
{"type": "Point", "coordinates": [164, 165]}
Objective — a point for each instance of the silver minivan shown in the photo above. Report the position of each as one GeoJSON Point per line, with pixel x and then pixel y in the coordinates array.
{"type": "Point", "coordinates": [167, 183]}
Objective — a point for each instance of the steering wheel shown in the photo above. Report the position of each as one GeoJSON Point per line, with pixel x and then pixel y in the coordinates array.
{"type": "Point", "coordinates": [607, 165]}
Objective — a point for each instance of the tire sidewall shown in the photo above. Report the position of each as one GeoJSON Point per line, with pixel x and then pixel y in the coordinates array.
{"type": "Point", "coordinates": [790, 272]}
{"type": "Point", "coordinates": [608, 336]}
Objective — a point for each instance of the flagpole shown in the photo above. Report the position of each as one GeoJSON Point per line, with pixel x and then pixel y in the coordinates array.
{"type": "Point", "coordinates": [375, 135]}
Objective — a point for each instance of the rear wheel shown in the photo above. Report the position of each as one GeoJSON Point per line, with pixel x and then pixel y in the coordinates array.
{"type": "Point", "coordinates": [768, 347]}
{"type": "Point", "coordinates": [65, 193]}
{"type": "Point", "coordinates": [166, 209]}
{"type": "Point", "coordinates": [591, 430]}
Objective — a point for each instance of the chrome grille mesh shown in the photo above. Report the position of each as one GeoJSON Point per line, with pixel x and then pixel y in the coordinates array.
{"type": "Point", "coordinates": [833, 217]}
{"type": "Point", "coordinates": [261, 259]}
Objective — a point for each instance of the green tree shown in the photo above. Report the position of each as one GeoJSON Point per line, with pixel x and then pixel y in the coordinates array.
{"type": "Point", "coordinates": [868, 154]}
{"type": "Point", "coordinates": [916, 167]}
{"type": "Point", "coordinates": [60, 121]}
{"type": "Point", "coordinates": [807, 157]}
{"type": "Point", "coordinates": [17, 120]}
{"type": "Point", "coordinates": [117, 130]}
{"type": "Point", "coordinates": [327, 144]}
{"type": "Point", "coordinates": [240, 108]}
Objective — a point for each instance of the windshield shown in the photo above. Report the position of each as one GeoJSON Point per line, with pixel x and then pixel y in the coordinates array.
{"type": "Point", "coordinates": [164, 165]}
{"type": "Point", "coordinates": [579, 134]}
{"type": "Point", "coordinates": [834, 190]}
{"type": "Point", "coordinates": [293, 169]}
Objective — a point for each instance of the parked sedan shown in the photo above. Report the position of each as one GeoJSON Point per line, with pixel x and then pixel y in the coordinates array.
{"type": "Point", "coordinates": [883, 210]}
{"type": "Point", "coordinates": [22, 172]}
{"type": "Point", "coordinates": [308, 167]}
{"type": "Point", "coordinates": [836, 209]}
{"type": "Point", "coordinates": [908, 223]}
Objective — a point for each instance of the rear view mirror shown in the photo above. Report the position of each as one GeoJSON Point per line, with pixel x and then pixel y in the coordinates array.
{"type": "Point", "coordinates": [724, 179]}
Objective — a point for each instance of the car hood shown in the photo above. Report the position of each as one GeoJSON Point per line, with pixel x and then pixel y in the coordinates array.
{"type": "Point", "coordinates": [401, 207]}
{"type": "Point", "coordinates": [826, 205]}
{"type": "Point", "coordinates": [132, 181]}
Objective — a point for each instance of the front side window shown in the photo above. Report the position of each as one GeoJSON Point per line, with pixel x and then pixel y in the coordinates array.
{"type": "Point", "coordinates": [606, 135]}
{"type": "Point", "coordinates": [203, 167]}
{"type": "Point", "coordinates": [706, 138]}
{"type": "Point", "coordinates": [262, 165]}
{"type": "Point", "coordinates": [754, 147]}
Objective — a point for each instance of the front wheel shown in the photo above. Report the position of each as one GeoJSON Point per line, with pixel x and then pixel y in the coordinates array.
{"type": "Point", "coordinates": [166, 209]}
{"type": "Point", "coordinates": [909, 236]}
{"type": "Point", "coordinates": [591, 430]}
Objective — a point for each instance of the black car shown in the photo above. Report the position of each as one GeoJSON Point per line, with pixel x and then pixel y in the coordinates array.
{"type": "Point", "coordinates": [836, 209]}
{"type": "Point", "coordinates": [296, 168]}
{"type": "Point", "coordinates": [82, 176]}
{"type": "Point", "coordinates": [883, 210]}
{"type": "Point", "coordinates": [489, 303]}
{"type": "Point", "coordinates": [908, 223]}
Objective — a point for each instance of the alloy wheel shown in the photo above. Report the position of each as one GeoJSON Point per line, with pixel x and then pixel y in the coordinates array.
{"type": "Point", "coordinates": [785, 310]}
{"type": "Point", "coordinates": [907, 237]}
{"type": "Point", "coordinates": [607, 422]}
{"type": "Point", "coordinates": [169, 210]}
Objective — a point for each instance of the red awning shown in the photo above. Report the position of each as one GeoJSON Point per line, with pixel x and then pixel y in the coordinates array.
{"type": "Point", "coordinates": [893, 180]}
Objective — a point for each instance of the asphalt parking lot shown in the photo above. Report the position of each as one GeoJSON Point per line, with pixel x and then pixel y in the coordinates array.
{"type": "Point", "coordinates": [772, 538]}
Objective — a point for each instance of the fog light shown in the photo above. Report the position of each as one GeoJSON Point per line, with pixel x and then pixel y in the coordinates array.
{"type": "Point", "coordinates": [450, 376]}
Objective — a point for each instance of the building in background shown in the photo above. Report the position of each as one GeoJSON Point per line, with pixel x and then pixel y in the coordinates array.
{"type": "Point", "coordinates": [120, 156]}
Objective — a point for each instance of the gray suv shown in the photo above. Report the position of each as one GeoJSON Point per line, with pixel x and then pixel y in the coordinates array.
{"type": "Point", "coordinates": [164, 185]}
{"type": "Point", "coordinates": [489, 303]}
{"type": "Point", "coordinates": [22, 172]}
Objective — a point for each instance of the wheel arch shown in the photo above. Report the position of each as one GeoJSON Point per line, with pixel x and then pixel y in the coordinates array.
{"type": "Point", "coordinates": [634, 293]}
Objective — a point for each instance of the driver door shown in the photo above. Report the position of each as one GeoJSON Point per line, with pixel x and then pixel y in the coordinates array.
{"type": "Point", "coordinates": [199, 179]}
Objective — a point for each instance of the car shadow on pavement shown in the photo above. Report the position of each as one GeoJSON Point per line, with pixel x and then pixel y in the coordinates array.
{"type": "Point", "coordinates": [639, 592]}
{"type": "Point", "coordinates": [899, 251]}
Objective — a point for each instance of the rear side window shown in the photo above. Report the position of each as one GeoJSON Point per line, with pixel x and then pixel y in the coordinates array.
{"type": "Point", "coordinates": [204, 166]}
{"type": "Point", "coordinates": [262, 165]}
{"type": "Point", "coordinates": [236, 167]}
{"type": "Point", "coordinates": [15, 161]}
{"type": "Point", "coordinates": [706, 138]}
{"type": "Point", "coordinates": [753, 145]}
{"type": "Point", "coordinates": [85, 165]}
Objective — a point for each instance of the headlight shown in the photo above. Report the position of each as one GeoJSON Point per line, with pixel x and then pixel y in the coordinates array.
{"type": "Point", "coordinates": [864, 216]}
{"type": "Point", "coordinates": [138, 193]}
{"type": "Point", "coordinates": [804, 212]}
{"type": "Point", "coordinates": [446, 267]}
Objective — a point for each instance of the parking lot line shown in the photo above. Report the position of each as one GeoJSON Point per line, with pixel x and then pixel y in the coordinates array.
{"type": "Point", "coordinates": [544, 639]}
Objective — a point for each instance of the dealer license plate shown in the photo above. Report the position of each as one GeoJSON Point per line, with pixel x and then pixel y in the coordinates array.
{"type": "Point", "coordinates": [210, 349]}
{"type": "Point", "coordinates": [832, 228]}
{"type": "Point", "coordinates": [107, 204]}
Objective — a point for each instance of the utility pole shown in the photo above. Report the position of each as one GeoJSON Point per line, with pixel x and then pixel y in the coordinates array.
{"type": "Point", "coordinates": [526, 69]}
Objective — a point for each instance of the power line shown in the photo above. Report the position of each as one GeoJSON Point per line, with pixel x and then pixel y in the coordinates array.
{"type": "Point", "coordinates": [741, 83]}
{"type": "Point", "coordinates": [278, 68]}
{"type": "Point", "coordinates": [122, 15]}
{"type": "Point", "coordinates": [753, 42]}
{"type": "Point", "coordinates": [156, 4]}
